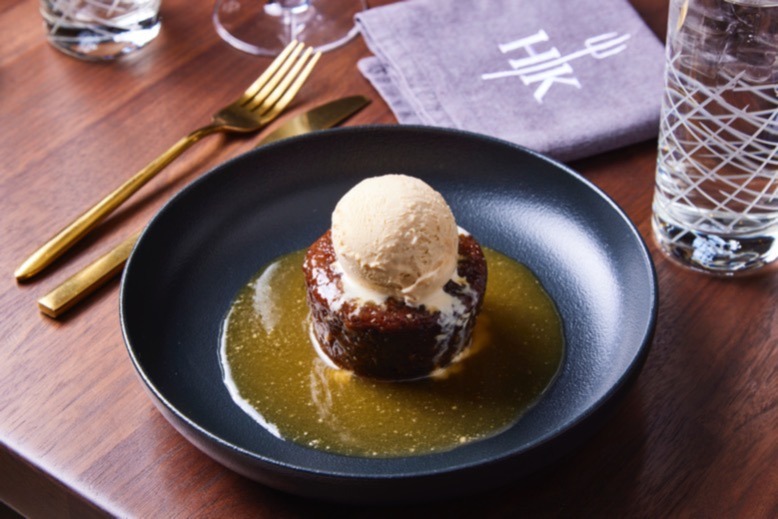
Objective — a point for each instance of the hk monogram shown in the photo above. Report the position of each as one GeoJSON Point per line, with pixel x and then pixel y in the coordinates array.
{"type": "Point", "coordinates": [549, 67]}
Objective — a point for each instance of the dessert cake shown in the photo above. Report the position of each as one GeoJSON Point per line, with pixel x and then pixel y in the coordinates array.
{"type": "Point", "coordinates": [395, 286]}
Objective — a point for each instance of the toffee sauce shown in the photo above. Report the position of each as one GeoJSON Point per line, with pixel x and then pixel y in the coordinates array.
{"type": "Point", "coordinates": [274, 373]}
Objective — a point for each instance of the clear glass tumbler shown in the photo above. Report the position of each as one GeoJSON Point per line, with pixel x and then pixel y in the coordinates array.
{"type": "Point", "coordinates": [716, 200]}
{"type": "Point", "coordinates": [100, 29]}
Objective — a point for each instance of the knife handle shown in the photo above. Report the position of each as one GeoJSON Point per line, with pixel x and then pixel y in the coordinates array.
{"type": "Point", "coordinates": [86, 280]}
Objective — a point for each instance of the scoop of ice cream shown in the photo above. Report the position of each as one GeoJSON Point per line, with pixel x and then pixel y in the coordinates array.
{"type": "Point", "coordinates": [395, 234]}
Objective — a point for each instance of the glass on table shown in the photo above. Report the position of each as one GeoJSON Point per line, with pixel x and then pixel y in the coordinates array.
{"type": "Point", "coordinates": [265, 27]}
{"type": "Point", "coordinates": [715, 204]}
{"type": "Point", "coordinates": [100, 29]}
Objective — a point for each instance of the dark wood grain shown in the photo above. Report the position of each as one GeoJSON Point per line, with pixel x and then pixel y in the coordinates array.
{"type": "Point", "coordinates": [695, 437]}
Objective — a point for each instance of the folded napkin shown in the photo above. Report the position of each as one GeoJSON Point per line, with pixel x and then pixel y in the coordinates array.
{"type": "Point", "coordinates": [569, 78]}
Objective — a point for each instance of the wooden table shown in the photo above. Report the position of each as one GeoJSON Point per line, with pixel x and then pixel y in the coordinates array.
{"type": "Point", "coordinates": [696, 435]}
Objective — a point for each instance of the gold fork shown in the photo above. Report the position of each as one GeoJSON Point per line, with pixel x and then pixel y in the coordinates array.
{"type": "Point", "coordinates": [253, 110]}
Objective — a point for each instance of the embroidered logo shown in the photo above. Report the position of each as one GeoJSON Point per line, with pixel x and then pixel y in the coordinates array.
{"type": "Point", "coordinates": [550, 67]}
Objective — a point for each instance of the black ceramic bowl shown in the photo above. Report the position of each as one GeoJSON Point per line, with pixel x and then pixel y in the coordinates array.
{"type": "Point", "coordinates": [209, 240]}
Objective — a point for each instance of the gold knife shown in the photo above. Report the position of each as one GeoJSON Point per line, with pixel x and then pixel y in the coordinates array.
{"type": "Point", "coordinates": [85, 281]}
{"type": "Point", "coordinates": [324, 116]}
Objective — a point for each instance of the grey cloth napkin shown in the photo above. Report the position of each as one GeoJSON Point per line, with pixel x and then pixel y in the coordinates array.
{"type": "Point", "coordinates": [569, 78]}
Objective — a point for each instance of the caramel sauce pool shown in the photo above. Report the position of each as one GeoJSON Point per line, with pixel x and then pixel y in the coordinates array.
{"type": "Point", "coordinates": [274, 373]}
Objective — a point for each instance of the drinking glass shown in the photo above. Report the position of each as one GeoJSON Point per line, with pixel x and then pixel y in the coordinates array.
{"type": "Point", "coordinates": [100, 29]}
{"type": "Point", "coordinates": [265, 27]}
{"type": "Point", "coordinates": [715, 204]}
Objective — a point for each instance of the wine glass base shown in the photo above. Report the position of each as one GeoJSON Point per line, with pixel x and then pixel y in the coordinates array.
{"type": "Point", "coordinates": [264, 27]}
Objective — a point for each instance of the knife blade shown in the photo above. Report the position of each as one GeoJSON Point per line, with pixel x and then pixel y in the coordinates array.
{"type": "Point", "coordinates": [323, 116]}
{"type": "Point", "coordinates": [87, 280]}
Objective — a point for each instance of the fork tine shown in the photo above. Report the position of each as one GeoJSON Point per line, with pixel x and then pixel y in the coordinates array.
{"type": "Point", "coordinates": [293, 48]}
{"type": "Point", "coordinates": [263, 104]}
{"type": "Point", "coordinates": [291, 92]}
{"type": "Point", "coordinates": [273, 81]}
{"type": "Point", "coordinates": [279, 82]}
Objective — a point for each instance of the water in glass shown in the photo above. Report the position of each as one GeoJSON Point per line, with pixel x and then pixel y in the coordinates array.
{"type": "Point", "coordinates": [716, 198]}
